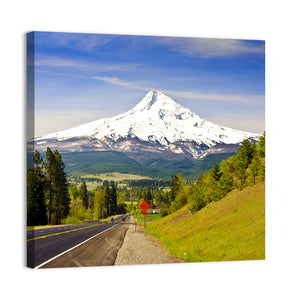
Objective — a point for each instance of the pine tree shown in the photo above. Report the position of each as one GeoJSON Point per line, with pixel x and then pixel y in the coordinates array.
{"type": "Point", "coordinates": [49, 167]}
{"type": "Point", "coordinates": [149, 198]}
{"type": "Point", "coordinates": [37, 161]}
{"type": "Point", "coordinates": [62, 198]}
{"type": "Point", "coordinates": [113, 199]}
{"type": "Point", "coordinates": [74, 195]}
{"type": "Point", "coordinates": [84, 194]}
{"type": "Point", "coordinates": [36, 209]}
{"type": "Point", "coordinates": [107, 199]}
{"type": "Point", "coordinates": [226, 182]}
{"type": "Point", "coordinates": [177, 195]}
{"type": "Point", "coordinates": [241, 171]}
{"type": "Point", "coordinates": [198, 199]}
{"type": "Point", "coordinates": [255, 168]}
{"type": "Point", "coordinates": [246, 152]}
{"type": "Point", "coordinates": [57, 195]}
{"type": "Point", "coordinates": [261, 145]}
{"type": "Point", "coordinates": [242, 161]}
{"type": "Point", "coordinates": [100, 210]}
{"type": "Point", "coordinates": [216, 171]}
{"type": "Point", "coordinates": [176, 185]}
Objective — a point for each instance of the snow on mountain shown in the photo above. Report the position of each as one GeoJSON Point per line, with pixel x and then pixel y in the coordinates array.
{"type": "Point", "coordinates": [158, 120]}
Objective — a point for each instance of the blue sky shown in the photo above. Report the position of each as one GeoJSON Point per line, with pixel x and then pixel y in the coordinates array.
{"type": "Point", "coordinates": [84, 77]}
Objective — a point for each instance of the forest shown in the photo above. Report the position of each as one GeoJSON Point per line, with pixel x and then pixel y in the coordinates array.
{"type": "Point", "coordinates": [52, 200]}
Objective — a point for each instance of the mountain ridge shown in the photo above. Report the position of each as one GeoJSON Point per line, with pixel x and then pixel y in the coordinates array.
{"type": "Point", "coordinates": [155, 124]}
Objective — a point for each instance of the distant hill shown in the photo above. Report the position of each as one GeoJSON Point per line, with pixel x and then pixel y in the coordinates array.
{"type": "Point", "coordinates": [230, 229]}
{"type": "Point", "coordinates": [96, 162]}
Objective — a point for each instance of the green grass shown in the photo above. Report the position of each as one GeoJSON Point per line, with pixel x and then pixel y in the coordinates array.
{"type": "Point", "coordinates": [230, 229]}
{"type": "Point", "coordinates": [92, 183]}
{"type": "Point", "coordinates": [38, 226]}
{"type": "Point", "coordinates": [115, 176]}
{"type": "Point", "coordinates": [149, 217]}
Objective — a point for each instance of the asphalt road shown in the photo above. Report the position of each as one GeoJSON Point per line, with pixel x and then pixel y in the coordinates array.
{"type": "Point", "coordinates": [90, 244]}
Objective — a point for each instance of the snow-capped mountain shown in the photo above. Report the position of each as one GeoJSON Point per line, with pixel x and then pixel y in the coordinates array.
{"type": "Point", "coordinates": [156, 124]}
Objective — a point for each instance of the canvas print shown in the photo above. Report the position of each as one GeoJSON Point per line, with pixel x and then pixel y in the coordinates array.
{"type": "Point", "coordinates": [144, 150]}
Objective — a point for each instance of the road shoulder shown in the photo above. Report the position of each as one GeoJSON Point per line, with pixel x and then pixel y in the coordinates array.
{"type": "Point", "coordinates": [141, 248]}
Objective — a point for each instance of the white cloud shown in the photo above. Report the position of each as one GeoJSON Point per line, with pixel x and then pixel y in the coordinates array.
{"type": "Point", "coordinates": [82, 41]}
{"type": "Point", "coordinates": [56, 62]}
{"type": "Point", "coordinates": [210, 48]}
{"type": "Point", "coordinates": [246, 99]}
{"type": "Point", "coordinates": [117, 81]}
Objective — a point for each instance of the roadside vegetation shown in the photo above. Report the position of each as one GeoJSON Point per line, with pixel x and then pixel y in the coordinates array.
{"type": "Point", "coordinates": [222, 215]}
{"type": "Point", "coordinates": [148, 218]}
{"type": "Point", "coordinates": [230, 229]}
{"type": "Point", "coordinates": [98, 204]}
{"type": "Point", "coordinates": [244, 169]}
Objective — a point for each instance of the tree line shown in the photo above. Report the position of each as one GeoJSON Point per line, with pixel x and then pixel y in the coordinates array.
{"type": "Point", "coordinates": [50, 200]}
{"type": "Point", "coordinates": [47, 190]}
{"type": "Point", "coordinates": [245, 168]}
{"type": "Point", "coordinates": [93, 205]}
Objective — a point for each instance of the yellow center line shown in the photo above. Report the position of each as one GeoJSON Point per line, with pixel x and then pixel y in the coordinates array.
{"type": "Point", "coordinates": [52, 234]}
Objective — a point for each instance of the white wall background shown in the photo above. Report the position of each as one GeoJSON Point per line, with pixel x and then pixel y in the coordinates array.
{"type": "Point", "coordinates": [275, 21]}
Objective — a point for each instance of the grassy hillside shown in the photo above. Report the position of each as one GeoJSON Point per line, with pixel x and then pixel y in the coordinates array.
{"type": "Point", "coordinates": [230, 229]}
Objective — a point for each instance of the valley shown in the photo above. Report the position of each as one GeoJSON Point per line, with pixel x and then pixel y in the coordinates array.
{"type": "Point", "coordinates": [88, 164]}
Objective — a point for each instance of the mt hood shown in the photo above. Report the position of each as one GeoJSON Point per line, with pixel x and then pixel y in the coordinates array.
{"type": "Point", "coordinates": [156, 125]}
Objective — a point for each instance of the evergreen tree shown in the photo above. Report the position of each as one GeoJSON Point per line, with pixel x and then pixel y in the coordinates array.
{"type": "Point", "coordinates": [228, 165]}
{"type": "Point", "coordinates": [177, 195]}
{"type": "Point", "coordinates": [107, 199]}
{"type": "Point", "coordinates": [255, 168]}
{"type": "Point", "coordinates": [148, 195]}
{"type": "Point", "coordinates": [83, 193]}
{"type": "Point", "coordinates": [100, 210]}
{"type": "Point", "coordinates": [36, 209]}
{"type": "Point", "coordinates": [74, 196]}
{"type": "Point", "coordinates": [246, 152]}
{"type": "Point", "coordinates": [242, 161]}
{"type": "Point", "coordinates": [176, 185]}
{"type": "Point", "coordinates": [226, 182]}
{"type": "Point", "coordinates": [113, 199]}
{"type": "Point", "coordinates": [211, 187]}
{"type": "Point", "coordinates": [37, 161]}
{"type": "Point", "coordinates": [241, 171]}
{"type": "Point", "coordinates": [57, 195]}
{"type": "Point", "coordinates": [49, 167]}
{"type": "Point", "coordinates": [261, 145]}
{"type": "Point", "coordinates": [149, 198]}
{"type": "Point", "coordinates": [216, 171]}
{"type": "Point", "coordinates": [121, 208]}
{"type": "Point", "coordinates": [61, 203]}
{"type": "Point", "coordinates": [198, 199]}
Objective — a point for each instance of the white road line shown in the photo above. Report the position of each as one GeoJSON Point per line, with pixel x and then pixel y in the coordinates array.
{"type": "Point", "coordinates": [44, 263]}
